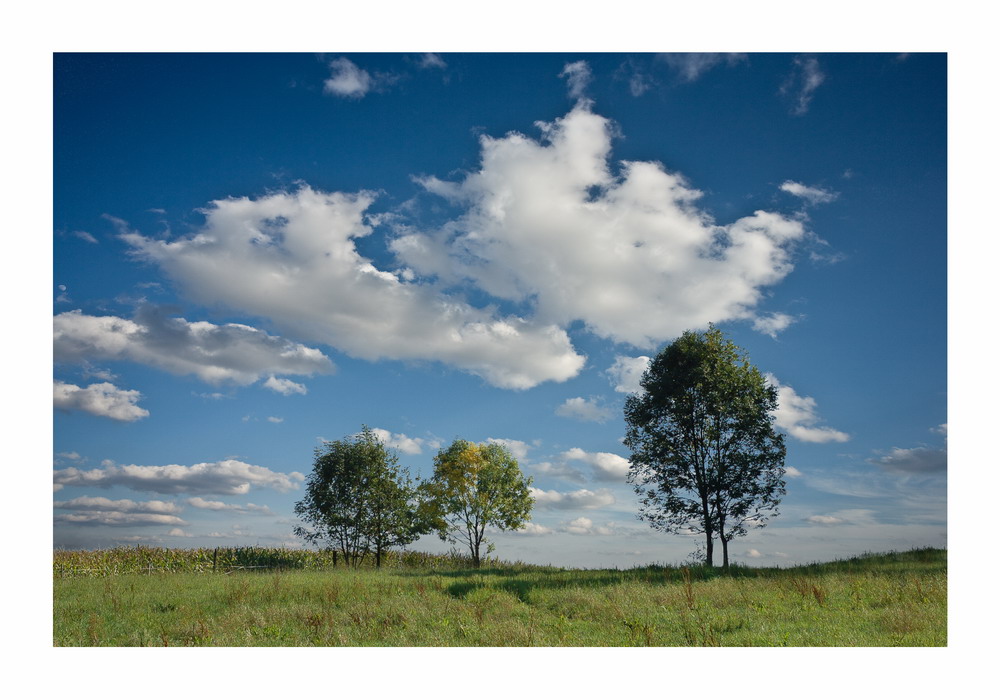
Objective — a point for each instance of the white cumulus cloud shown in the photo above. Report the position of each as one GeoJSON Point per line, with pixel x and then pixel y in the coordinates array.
{"type": "Point", "coordinates": [300, 268]}
{"type": "Point", "coordinates": [588, 410]}
{"type": "Point", "coordinates": [104, 399]}
{"type": "Point", "coordinates": [582, 498]}
{"type": "Point", "coordinates": [399, 441]}
{"type": "Point", "coordinates": [585, 526]}
{"type": "Point", "coordinates": [518, 448]}
{"type": "Point", "coordinates": [227, 477]}
{"type": "Point", "coordinates": [550, 223]}
{"type": "Point", "coordinates": [772, 324]}
{"type": "Point", "coordinates": [626, 373]}
{"type": "Point", "coordinates": [606, 466]}
{"type": "Point", "coordinates": [797, 416]}
{"type": "Point", "coordinates": [214, 353]}
{"type": "Point", "coordinates": [285, 387]}
{"type": "Point", "coordinates": [347, 80]}
{"type": "Point", "coordinates": [87, 510]}
{"type": "Point", "coordinates": [533, 529]}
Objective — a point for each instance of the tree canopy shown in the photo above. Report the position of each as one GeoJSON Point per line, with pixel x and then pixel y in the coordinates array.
{"type": "Point", "coordinates": [475, 486]}
{"type": "Point", "coordinates": [358, 499]}
{"type": "Point", "coordinates": [705, 456]}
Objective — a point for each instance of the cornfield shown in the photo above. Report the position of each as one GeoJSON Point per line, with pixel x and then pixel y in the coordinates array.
{"type": "Point", "coordinates": [139, 560]}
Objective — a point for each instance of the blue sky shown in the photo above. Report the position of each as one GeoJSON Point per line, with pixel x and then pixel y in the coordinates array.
{"type": "Point", "coordinates": [253, 253]}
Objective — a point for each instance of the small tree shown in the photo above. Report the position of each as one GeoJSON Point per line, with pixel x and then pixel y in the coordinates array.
{"type": "Point", "coordinates": [705, 455]}
{"type": "Point", "coordinates": [358, 499]}
{"type": "Point", "coordinates": [475, 486]}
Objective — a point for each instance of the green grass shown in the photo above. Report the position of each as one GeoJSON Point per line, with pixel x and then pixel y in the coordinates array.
{"type": "Point", "coordinates": [896, 599]}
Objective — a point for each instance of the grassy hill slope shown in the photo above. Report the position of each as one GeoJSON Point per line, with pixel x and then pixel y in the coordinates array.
{"type": "Point", "coordinates": [895, 599]}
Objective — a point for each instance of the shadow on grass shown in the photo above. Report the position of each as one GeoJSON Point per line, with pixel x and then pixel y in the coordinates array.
{"type": "Point", "coordinates": [522, 581]}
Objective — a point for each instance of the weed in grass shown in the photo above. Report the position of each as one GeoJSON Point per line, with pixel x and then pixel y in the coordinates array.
{"type": "Point", "coordinates": [819, 594]}
{"type": "Point", "coordinates": [688, 589]}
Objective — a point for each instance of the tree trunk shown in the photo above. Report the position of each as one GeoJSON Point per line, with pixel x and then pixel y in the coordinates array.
{"type": "Point", "coordinates": [725, 551]}
{"type": "Point", "coordinates": [706, 513]}
{"type": "Point", "coordinates": [378, 556]}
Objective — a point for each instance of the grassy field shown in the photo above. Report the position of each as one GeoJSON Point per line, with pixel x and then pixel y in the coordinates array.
{"type": "Point", "coordinates": [174, 598]}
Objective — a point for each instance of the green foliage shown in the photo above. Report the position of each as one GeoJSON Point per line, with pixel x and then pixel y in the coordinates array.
{"type": "Point", "coordinates": [358, 499]}
{"type": "Point", "coordinates": [475, 486]}
{"type": "Point", "coordinates": [705, 455]}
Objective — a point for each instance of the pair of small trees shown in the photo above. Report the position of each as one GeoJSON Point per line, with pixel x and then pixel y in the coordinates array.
{"type": "Point", "coordinates": [705, 456]}
{"type": "Point", "coordinates": [359, 500]}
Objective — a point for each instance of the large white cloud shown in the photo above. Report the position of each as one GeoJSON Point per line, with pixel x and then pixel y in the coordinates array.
{"type": "Point", "coordinates": [548, 223]}
{"type": "Point", "coordinates": [214, 353]}
{"type": "Point", "coordinates": [298, 265]}
{"type": "Point", "coordinates": [104, 399]}
{"type": "Point", "coordinates": [797, 416]}
{"type": "Point", "coordinates": [226, 477]}
{"type": "Point", "coordinates": [87, 510]}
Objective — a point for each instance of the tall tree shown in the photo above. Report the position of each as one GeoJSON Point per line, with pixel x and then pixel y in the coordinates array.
{"type": "Point", "coordinates": [475, 486]}
{"type": "Point", "coordinates": [705, 456]}
{"type": "Point", "coordinates": [358, 499]}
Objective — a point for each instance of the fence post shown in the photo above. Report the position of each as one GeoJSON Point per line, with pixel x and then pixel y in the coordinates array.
{"type": "Point", "coordinates": [215, 557]}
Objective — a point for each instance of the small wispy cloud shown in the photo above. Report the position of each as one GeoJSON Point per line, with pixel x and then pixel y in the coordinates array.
{"type": "Point", "coordinates": [811, 195]}
{"type": "Point", "coordinates": [800, 85]}
{"type": "Point", "coordinates": [84, 236]}
{"type": "Point", "coordinates": [219, 506]}
{"type": "Point", "coordinates": [691, 66]}
{"type": "Point", "coordinates": [853, 516]}
{"type": "Point", "coordinates": [432, 60]}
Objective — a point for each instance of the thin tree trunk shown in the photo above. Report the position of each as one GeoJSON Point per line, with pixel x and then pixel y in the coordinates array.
{"type": "Point", "coordinates": [706, 512]}
{"type": "Point", "coordinates": [725, 551]}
